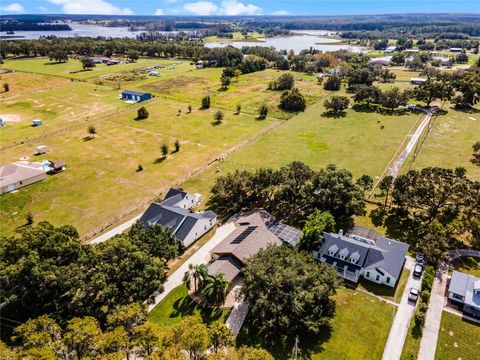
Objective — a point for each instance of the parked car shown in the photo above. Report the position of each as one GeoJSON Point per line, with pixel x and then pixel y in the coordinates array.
{"type": "Point", "coordinates": [419, 256]}
{"type": "Point", "coordinates": [413, 295]}
{"type": "Point", "coordinates": [418, 270]}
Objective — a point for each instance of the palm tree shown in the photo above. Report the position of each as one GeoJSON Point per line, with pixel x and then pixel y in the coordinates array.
{"type": "Point", "coordinates": [197, 274]}
{"type": "Point", "coordinates": [215, 289]}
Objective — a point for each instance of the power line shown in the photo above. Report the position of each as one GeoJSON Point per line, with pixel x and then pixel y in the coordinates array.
{"type": "Point", "coordinates": [295, 349]}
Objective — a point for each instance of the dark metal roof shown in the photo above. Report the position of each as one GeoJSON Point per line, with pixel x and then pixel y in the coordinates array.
{"type": "Point", "coordinates": [132, 92]}
{"type": "Point", "coordinates": [185, 227]}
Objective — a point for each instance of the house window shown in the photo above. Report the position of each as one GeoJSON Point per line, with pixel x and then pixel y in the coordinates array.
{"type": "Point", "coordinates": [378, 277]}
{"type": "Point", "coordinates": [388, 279]}
{"type": "Point", "coordinates": [458, 297]}
{"type": "Point", "coordinates": [367, 274]}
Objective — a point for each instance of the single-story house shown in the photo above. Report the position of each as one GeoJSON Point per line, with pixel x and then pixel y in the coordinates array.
{"type": "Point", "coordinates": [442, 60]}
{"type": "Point", "coordinates": [456, 49]}
{"type": "Point", "coordinates": [390, 49]}
{"type": "Point", "coordinates": [175, 212]}
{"type": "Point", "coordinates": [254, 231]}
{"type": "Point", "coordinates": [363, 252]}
{"type": "Point", "coordinates": [200, 64]}
{"type": "Point", "coordinates": [111, 62]}
{"type": "Point", "coordinates": [464, 290]}
{"type": "Point", "coordinates": [417, 81]}
{"type": "Point", "coordinates": [135, 95]}
{"type": "Point", "coordinates": [383, 60]}
{"type": "Point", "coordinates": [19, 174]}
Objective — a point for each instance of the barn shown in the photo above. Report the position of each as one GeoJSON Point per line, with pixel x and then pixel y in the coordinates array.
{"type": "Point", "coordinates": [135, 95]}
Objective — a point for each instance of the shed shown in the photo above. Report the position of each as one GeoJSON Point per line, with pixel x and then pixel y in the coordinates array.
{"type": "Point", "coordinates": [417, 81]}
{"type": "Point", "coordinates": [57, 166]}
{"type": "Point", "coordinates": [42, 149]}
{"type": "Point", "coordinates": [135, 95]}
{"type": "Point", "coordinates": [37, 122]}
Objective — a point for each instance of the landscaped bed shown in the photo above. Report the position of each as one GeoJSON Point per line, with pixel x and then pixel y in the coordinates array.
{"type": "Point", "coordinates": [457, 339]}
{"type": "Point", "coordinates": [177, 304]}
{"type": "Point", "coordinates": [393, 294]}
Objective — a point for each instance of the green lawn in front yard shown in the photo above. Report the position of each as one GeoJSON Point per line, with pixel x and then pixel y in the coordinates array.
{"type": "Point", "coordinates": [449, 143]}
{"type": "Point", "coordinates": [73, 67]}
{"type": "Point", "coordinates": [457, 339]}
{"type": "Point", "coordinates": [359, 330]}
{"type": "Point", "coordinates": [393, 294]}
{"type": "Point", "coordinates": [467, 265]}
{"type": "Point", "coordinates": [178, 304]}
{"type": "Point", "coordinates": [355, 142]}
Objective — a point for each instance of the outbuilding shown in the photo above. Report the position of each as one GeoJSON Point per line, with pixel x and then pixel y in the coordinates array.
{"type": "Point", "coordinates": [37, 122]}
{"type": "Point", "coordinates": [136, 96]}
{"type": "Point", "coordinates": [417, 81]}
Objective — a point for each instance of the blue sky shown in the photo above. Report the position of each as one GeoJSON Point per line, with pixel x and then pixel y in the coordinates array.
{"type": "Point", "coordinates": [234, 7]}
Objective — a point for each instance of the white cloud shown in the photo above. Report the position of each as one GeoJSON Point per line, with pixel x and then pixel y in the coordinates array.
{"type": "Point", "coordinates": [201, 7]}
{"type": "Point", "coordinates": [233, 7]}
{"type": "Point", "coordinates": [100, 7]}
{"type": "Point", "coordinates": [281, 12]}
{"type": "Point", "coordinates": [43, 9]}
{"type": "Point", "coordinates": [159, 12]}
{"type": "Point", "coordinates": [14, 7]}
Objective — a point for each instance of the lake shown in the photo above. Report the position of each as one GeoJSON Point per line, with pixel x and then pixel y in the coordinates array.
{"type": "Point", "coordinates": [300, 41]}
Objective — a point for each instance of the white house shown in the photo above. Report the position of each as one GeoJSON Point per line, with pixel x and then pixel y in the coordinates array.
{"type": "Point", "coordinates": [363, 252]}
{"type": "Point", "coordinates": [417, 81]}
{"type": "Point", "coordinates": [464, 289]}
{"type": "Point", "coordinates": [175, 212]}
{"type": "Point", "coordinates": [19, 174]}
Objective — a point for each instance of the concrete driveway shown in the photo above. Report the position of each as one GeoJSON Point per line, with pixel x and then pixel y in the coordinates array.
{"type": "Point", "coordinates": [202, 256]}
{"type": "Point", "coordinates": [401, 322]}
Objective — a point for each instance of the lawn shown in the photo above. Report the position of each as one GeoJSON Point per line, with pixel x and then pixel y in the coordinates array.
{"type": "Point", "coordinates": [457, 339]}
{"type": "Point", "coordinates": [393, 294]}
{"type": "Point", "coordinates": [449, 143]}
{"type": "Point", "coordinates": [58, 107]}
{"type": "Point", "coordinates": [178, 304]}
{"type": "Point", "coordinates": [73, 68]}
{"type": "Point", "coordinates": [101, 182]}
{"type": "Point", "coordinates": [355, 142]}
{"type": "Point", "coordinates": [249, 90]}
{"type": "Point", "coordinates": [237, 36]}
{"type": "Point", "coordinates": [467, 265]}
{"type": "Point", "coordinates": [359, 330]}
{"type": "Point", "coordinates": [412, 342]}
{"type": "Point", "coordinates": [20, 82]}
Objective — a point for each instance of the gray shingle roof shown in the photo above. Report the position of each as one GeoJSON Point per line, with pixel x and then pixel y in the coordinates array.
{"type": "Point", "coordinates": [385, 254]}
{"type": "Point", "coordinates": [464, 285]}
{"type": "Point", "coordinates": [227, 265]}
{"type": "Point", "coordinates": [132, 92]}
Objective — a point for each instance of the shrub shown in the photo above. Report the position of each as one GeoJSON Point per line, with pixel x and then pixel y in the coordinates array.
{"type": "Point", "coordinates": [206, 102]}
{"type": "Point", "coordinates": [425, 296]}
{"type": "Point", "coordinates": [284, 82]}
{"type": "Point", "coordinates": [142, 113]}
{"type": "Point", "coordinates": [262, 111]}
{"type": "Point", "coordinates": [419, 319]}
{"type": "Point", "coordinates": [218, 117]}
{"type": "Point", "coordinates": [292, 100]}
{"type": "Point", "coordinates": [333, 83]}
{"type": "Point", "coordinates": [6, 87]}
{"type": "Point", "coordinates": [337, 104]}
{"type": "Point", "coordinates": [428, 277]}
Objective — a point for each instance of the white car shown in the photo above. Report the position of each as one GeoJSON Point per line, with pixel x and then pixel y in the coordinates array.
{"type": "Point", "coordinates": [413, 295]}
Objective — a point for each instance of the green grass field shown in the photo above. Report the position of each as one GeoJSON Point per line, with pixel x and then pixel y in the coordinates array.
{"type": "Point", "coordinates": [237, 36]}
{"type": "Point", "coordinates": [355, 142]}
{"type": "Point", "coordinates": [457, 339]}
{"type": "Point", "coordinates": [73, 68]}
{"type": "Point", "coordinates": [101, 181]}
{"type": "Point", "coordinates": [177, 304]}
{"type": "Point", "coordinates": [449, 143]}
{"type": "Point", "coordinates": [359, 330]}
{"type": "Point", "coordinates": [250, 90]}
{"type": "Point", "coordinates": [393, 294]}
{"type": "Point", "coordinates": [20, 82]}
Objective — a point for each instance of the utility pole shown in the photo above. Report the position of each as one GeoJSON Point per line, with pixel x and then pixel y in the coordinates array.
{"type": "Point", "coordinates": [295, 349]}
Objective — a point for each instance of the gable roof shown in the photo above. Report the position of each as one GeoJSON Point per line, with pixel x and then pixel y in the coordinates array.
{"type": "Point", "coordinates": [250, 236]}
{"type": "Point", "coordinates": [18, 171]}
{"type": "Point", "coordinates": [132, 92]}
{"type": "Point", "coordinates": [383, 253]}
{"type": "Point", "coordinates": [464, 285]}
{"type": "Point", "coordinates": [228, 265]}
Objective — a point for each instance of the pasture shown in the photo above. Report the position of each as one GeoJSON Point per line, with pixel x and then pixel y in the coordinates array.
{"type": "Point", "coordinates": [20, 83]}
{"type": "Point", "coordinates": [355, 142]}
{"type": "Point", "coordinates": [73, 67]}
{"type": "Point", "coordinates": [102, 181]}
{"type": "Point", "coordinates": [250, 90]}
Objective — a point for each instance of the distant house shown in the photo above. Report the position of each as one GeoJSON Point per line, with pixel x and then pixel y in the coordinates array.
{"type": "Point", "coordinates": [136, 96]}
{"type": "Point", "coordinates": [464, 290]}
{"type": "Point", "coordinates": [442, 61]}
{"type": "Point", "coordinates": [200, 64]}
{"type": "Point", "coordinates": [383, 60]}
{"type": "Point", "coordinates": [37, 122]}
{"type": "Point", "coordinates": [390, 49]}
{"type": "Point", "coordinates": [174, 212]}
{"type": "Point", "coordinates": [100, 59]}
{"type": "Point", "coordinates": [363, 252]}
{"type": "Point", "coordinates": [254, 231]}
{"type": "Point", "coordinates": [417, 81]}
{"type": "Point", "coordinates": [456, 49]}
{"type": "Point", "coordinates": [19, 174]}
{"type": "Point", "coordinates": [111, 62]}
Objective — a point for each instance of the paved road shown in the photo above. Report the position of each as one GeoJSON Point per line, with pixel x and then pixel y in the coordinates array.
{"type": "Point", "coordinates": [200, 257]}
{"type": "Point", "coordinates": [399, 330]}
{"type": "Point", "coordinates": [410, 146]}
{"type": "Point", "coordinates": [115, 231]}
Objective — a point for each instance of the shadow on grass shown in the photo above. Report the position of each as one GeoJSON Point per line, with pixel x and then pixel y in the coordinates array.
{"type": "Point", "coordinates": [159, 160]}
{"type": "Point", "coordinates": [467, 110]}
{"type": "Point", "coordinates": [309, 345]}
{"type": "Point", "coordinates": [186, 306]}
{"type": "Point", "coordinates": [88, 138]}
{"type": "Point", "coordinates": [334, 115]}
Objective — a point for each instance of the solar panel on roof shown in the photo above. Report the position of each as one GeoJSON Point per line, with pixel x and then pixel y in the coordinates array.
{"type": "Point", "coordinates": [244, 234]}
